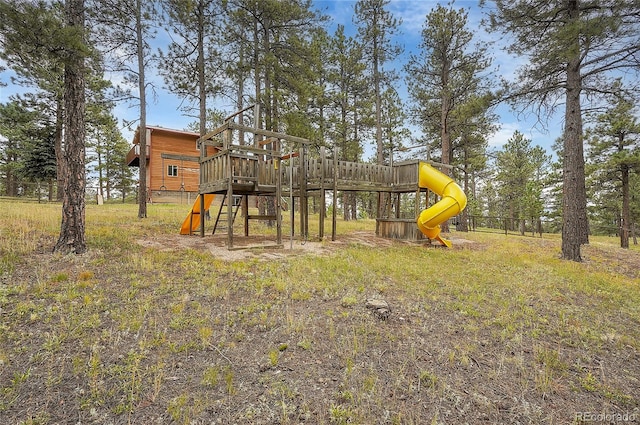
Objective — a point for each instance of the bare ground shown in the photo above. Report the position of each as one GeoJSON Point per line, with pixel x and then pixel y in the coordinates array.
{"type": "Point", "coordinates": [273, 360]}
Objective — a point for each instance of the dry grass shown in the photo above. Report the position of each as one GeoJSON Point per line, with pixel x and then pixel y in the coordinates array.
{"type": "Point", "coordinates": [496, 330]}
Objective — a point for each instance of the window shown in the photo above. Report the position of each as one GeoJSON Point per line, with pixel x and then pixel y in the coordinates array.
{"type": "Point", "coordinates": [172, 171]}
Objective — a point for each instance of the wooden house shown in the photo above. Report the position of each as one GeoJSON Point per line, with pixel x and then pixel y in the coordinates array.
{"type": "Point", "coordinates": [173, 171]}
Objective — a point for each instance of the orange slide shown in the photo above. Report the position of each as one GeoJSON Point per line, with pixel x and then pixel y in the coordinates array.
{"type": "Point", "coordinates": [453, 202]}
{"type": "Point", "coordinates": [191, 223]}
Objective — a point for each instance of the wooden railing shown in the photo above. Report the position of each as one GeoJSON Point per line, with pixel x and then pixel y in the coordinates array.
{"type": "Point", "coordinates": [246, 168]}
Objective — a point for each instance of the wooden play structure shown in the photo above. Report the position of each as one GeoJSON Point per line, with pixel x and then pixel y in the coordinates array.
{"type": "Point", "coordinates": [280, 165]}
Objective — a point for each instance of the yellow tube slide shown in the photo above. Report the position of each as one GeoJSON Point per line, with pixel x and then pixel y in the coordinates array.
{"type": "Point", "coordinates": [453, 201]}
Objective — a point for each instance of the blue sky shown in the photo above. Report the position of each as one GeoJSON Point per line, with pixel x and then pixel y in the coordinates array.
{"type": "Point", "coordinates": [163, 109]}
{"type": "Point", "coordinates": [413, 15]}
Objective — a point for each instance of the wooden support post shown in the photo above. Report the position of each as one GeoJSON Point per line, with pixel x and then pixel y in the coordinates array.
{"type": "Point", "coordinates": [229, 172]}
{"type": "Point", "coordinates": [416, 205]}
{"type": "Point", "coordinates": [379, 213]}
{"type": "Point", "coordinates": [277, 164]}
{"type": "Point", "coordinates": [292, 214]}
{"type": "Point", "coordinates": [335, 194]}
{"type": "Point", "coordinates": [245, 214]}
{"type": "Point", "coordinates": [323, 195]}
{"type": "Point", "coordinates": [304, 203]}
{"type": "Point", "coordinates": [201, 215]}
{"type": "Point", "coordinates": [292, 228]}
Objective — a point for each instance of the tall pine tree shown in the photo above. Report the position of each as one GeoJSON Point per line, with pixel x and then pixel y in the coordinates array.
{"type": "Point", "coordinates": [572, 49]}
{"type": "Point", "coordinates": [614, 152]}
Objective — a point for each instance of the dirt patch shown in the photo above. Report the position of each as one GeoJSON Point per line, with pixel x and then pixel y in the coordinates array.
{"type": "Point", "coordinates": [87, 340]}
{"type": "Point", "coordinates": [611, 259]}
{"type": "Point", "coordinates": [266, 248]}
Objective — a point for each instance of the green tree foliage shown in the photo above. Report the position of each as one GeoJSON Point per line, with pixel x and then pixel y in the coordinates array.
{"type": "Point", "coordinates": [214, 119]}
{"type": "Point", "coordinates": [15, 121]}
{"type": "Point", "coordinates": [125, 29]}
{"type": "Point", "coordinates": [192, 64]}
{"type": "Point", "coordinates": [572, 49]}
{"type": "Point", "coordinates": [39, 162]}
{"type": "Point", "coordinates": [348, 95]}
{"type": "Point", "coordinates": [376, 27]}
{"type": "Point", "coordinates": [520, 172]}
{"type": "Point", "coordinates": [614, 155]}
{"type": "Point", "coordinates": [106, 158]}
{"type": "Point", "coordinates": [305, 114]}
{"type": "Point", "coordinates": [473, 123]}
{"type": "Point", "coordinates": [36, 58]}
{"type": "Point", "coordinates": [445, 80]}
{"type": "Point", "coordinates": [26, 149]}
{"type": "Point", "coordinates": [57, 49]}
{"type": "Point", "coordinates": [347, 90]}
{"type": "Point", "coordinates": [275, 41]}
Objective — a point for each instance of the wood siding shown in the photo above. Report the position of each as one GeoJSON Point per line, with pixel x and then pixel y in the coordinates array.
{"type": "Point", "coordinates": [175, 144]}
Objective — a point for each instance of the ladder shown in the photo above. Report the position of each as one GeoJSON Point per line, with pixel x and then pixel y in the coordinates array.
{"type": "Point", "coordinates": [222, 218]}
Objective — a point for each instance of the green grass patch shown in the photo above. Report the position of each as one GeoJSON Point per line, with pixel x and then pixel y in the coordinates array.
{"type": "Point", "coordinates": [496, 330]}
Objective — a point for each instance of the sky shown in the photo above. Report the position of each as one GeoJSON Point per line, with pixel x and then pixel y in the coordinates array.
{"type": "Point", "coordinates": [164, 108]}
{"type": "Point", "coordinates": [413, 14]}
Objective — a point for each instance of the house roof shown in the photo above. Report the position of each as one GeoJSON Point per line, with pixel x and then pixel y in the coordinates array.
{"type": "Point", "coordinates": [136, 136]}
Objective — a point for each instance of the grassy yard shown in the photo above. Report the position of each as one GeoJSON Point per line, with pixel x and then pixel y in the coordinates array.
{"type": "Point", "coordinates": [153, 327]}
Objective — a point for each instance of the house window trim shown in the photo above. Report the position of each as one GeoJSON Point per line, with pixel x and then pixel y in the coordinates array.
{"type": "Point", "coordinates": [172, 170]}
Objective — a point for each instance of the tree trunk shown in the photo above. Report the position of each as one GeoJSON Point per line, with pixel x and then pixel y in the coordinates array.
{"type": "Point", "coordinates": [574, 195]}
{"type": "Point", "coordinates": [626, 211]}
{"type": "Point", "coordinates": [202, 82]}
{"type": "Point", "coordinates": [240, 93]}
{"type": "Point", "coordinates": [463, 218]}
{"type": "Point", "coordinates": [11, 187]}
{"type": "Point", "coordinates": [50, 190]}
{"type": "Point", "coordinates": [142, 198]}
{"type": "Point", "coordinates": [72, 229]}
{"type": "Point", "coordinates": [101, 178]}
{"type": "Point", "coordinates": [346, 211]}
{"type": "Point", "coordinates": [445, 137]}
{"type": "Point", "coordinates": [57, 144]}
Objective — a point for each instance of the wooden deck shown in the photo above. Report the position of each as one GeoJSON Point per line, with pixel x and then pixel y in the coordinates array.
{"type": "Point", "coordinates": [260, 174]}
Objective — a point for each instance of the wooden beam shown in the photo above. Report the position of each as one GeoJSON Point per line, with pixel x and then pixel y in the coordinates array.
{"type": "Point", "coordinates": [215, 132]}
{"type": "Point", "coordinates": [257, 151]}
{"type": "Point", "coordinates": [187, 158]}
{"type": "Point", "coordinates": [267, 141]}
{"type": "Point", "coordinates": [268, 133]}
{"type": "Point", "coordinates": [290, 155]}
{"type": "Point", "coordinates": [239, 112]}
{"type": "Point", "coordinates": [273, 246]}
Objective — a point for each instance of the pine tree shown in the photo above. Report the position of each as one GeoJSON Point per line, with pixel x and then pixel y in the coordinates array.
{"type": "Point", "coordinates": [572, 49]}
{"type": "Point", "coordinates": [376, 28]}
{"type": "Point", "coordinates": [277, 46]}
{"type": "Point", "coordinates": [614, 151]}
{"type": "Point", "coordinates": [125, 29]}
{"type": "Point", "coordinates": [39, 160]}
{"type": "Point", "coordinates": [445, 75]}
{"type": "Point", "coordinates": [193, 62]}
{"type": "Point", "coordinates": [36, 58]}
{"type": "Point", "coordinates": [72, 229]}
{"type": "Point", "coordinates": [16, 122]}
{"type": "Point", "coordinates": [519, 175]}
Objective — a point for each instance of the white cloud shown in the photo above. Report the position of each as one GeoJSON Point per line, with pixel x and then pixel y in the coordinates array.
{"type": "Point", "coordinates": [537, 135]}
